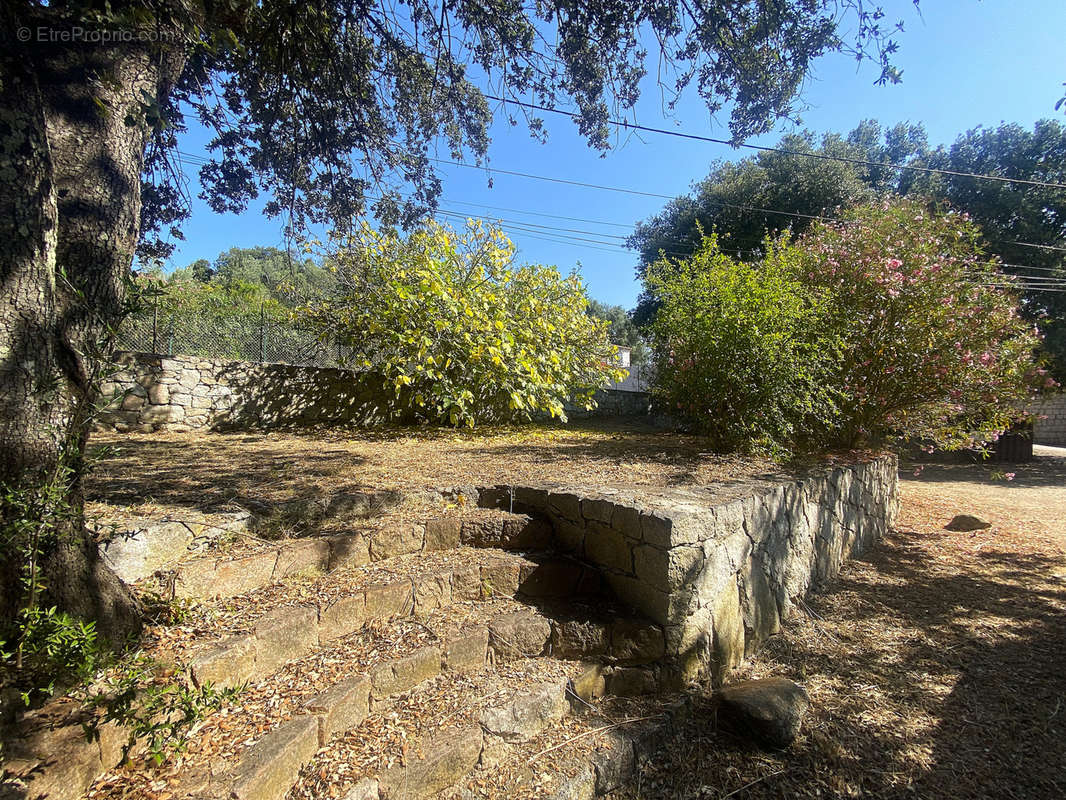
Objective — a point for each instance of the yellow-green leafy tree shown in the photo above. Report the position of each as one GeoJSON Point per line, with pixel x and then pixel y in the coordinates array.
{"type": "Point", "coordinates": [460, 333]}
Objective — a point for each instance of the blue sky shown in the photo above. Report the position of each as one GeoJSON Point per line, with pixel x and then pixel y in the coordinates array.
{"type": "Point", "coordinates": [965, 63]}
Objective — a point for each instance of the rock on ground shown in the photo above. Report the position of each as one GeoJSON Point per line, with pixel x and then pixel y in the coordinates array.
{"type": "Point", "coordinates": [966, 522]}
{"type": "Point", "coordinates": [771, 709]}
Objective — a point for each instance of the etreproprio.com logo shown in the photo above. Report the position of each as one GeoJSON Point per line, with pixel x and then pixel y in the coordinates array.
{"type": "Point", "coordinates": [80, 34]}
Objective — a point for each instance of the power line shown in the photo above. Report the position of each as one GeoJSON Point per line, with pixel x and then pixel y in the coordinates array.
{"type": "Point", "coordinates": [602, 187]}
{"type": "Point", "coordinates": [784, 151]}
{"type": "Point", "coordinates": [1030, 244]}
{"type": "Point", "coordinates": [628, 226]}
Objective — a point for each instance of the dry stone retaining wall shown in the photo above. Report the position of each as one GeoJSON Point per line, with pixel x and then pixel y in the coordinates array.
{"type": "Point", "coordinates": [182, 393]}
{"type": "Point", "coordinates": [718, 567]}
{"type": "Point", "coordinates": [1049, 427]}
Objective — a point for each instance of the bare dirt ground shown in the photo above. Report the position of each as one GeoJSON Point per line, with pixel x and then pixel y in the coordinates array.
{"type": "Point", "coordinates": [195, 469]}
{"type": "Point", "coordinates": [936, 664]}
{"type": "Point", "coordinates": [207, 470]}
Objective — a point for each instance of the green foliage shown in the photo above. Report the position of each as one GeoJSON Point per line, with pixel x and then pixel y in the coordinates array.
{"type": "Point", "coordinates": [462, 334]}
{"type": "Point", "coordinates": [739, 348]}
{"type": "Point", "coordinates": [886, 327]}
{"type": "Point", "coordinates": [236, 319]}
{"type": "Point", "coordinates": [933, 350]}
{"type": "Point", "coordinates": [622, 330]}
{"type": "Point", "coordinates": [156, 708]}
{"type": "Point", "coordinates": [253, 275]}
{"type": "Point", "coordinates": [731, 201]}
{"type": "Point", "coordinates": [736, 200]}
{"type": "Point", "coordinates": [53, 650]}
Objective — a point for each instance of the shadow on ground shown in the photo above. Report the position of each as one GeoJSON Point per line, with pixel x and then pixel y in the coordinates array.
{"type": "Point", "coordinates": [199, 473]}
{"type": "Point", "coordinates": [934, 672]}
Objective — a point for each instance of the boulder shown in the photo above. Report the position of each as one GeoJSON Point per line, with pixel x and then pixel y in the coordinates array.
{"type": "Point", "coordinates": [136, 553]}
{"type": "Point", "coordinates": [967, 522]}
{"type": "Point", "coordinates": [770, 709]}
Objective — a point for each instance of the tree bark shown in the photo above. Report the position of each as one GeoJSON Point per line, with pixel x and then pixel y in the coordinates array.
{"type": "Point", "coordinates": [72, 141]}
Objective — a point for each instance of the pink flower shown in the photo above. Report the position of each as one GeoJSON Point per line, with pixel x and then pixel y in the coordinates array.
{"type": "Point", "coordinates": [1010, 476]}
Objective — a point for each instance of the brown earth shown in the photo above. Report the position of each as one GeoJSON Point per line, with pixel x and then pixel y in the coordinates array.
{"type": "Point", "coordinates": [207, 471]}
{"type": "Point", "coordinates": [936, 664]}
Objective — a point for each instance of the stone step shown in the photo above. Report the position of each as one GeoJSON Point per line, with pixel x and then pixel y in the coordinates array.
{"type": "Point", "coordinates": [228, 575]}
{"type": "Point", "coordinates": [592, 753]}
{"type": "Point", "coordinates": [478, 585]}
{"type": "Point", "coordinates": [431, 740]}
{"type": "Point", "coordinates": [395, 655]}
{"type": "Point", "coordinates": [632, 646]}
{"type": "Point", "coordinates": [242, 750]}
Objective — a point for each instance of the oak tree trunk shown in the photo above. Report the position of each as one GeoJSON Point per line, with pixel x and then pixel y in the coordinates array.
{"type": "Point", "coordinates": [72, 140]}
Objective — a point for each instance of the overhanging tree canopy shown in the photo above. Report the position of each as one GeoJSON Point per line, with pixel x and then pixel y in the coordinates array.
{"type": "Point", "coordinates": [326, 106]}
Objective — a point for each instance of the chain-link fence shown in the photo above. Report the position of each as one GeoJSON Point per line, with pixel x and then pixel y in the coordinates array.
{"type": "Point", "coordinates": [227, 335]}
{"type": "Point", "coordinates": [258, 337]}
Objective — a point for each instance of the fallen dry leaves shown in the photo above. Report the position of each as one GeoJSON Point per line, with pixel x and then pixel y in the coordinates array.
{"type": "Point", "coordinates": [936, 663]}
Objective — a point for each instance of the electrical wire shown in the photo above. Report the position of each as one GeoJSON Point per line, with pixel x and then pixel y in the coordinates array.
{"type": "Point", "coordinates": [595, 240]}
{"type": "Point", "coordinates": [782, 150]}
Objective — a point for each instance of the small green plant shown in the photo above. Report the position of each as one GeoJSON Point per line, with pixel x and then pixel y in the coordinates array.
{"type": "Point", "coordinates": [42, 647]}
{"type": "Point", "coordinates": [164, 610]}
{"type": "Point", "coordinates": [157, 708]}
{"type": "Point", "coordinates": [53, 650]}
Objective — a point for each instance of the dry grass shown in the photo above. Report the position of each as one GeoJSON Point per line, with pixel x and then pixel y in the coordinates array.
{"type": "Point", "coordinates": [209, 471]}
{"type": "Point", "coordinates": [936, 665]}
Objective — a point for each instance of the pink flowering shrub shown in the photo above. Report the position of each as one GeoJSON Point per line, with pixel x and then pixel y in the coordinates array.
{"type": "Point", "coordinates": [888, 326]}
{"type": "Point", "coordinates": [934, 348]}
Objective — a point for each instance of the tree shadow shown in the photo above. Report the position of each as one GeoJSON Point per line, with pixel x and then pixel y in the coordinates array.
{"type": "Point", "coordinates": [197, 473]}
{"type": "Point", "coordinates": [1042, 471]}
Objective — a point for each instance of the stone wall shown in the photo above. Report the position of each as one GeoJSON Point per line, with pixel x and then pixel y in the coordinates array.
{"type": "Point", "coordinates": [1051, 430]}
{"type": "Point", "coordinates": [181, 393]}
{"type": "Point", "coordinates": [719, 567]}
{"type": "Point", "coordinates": [614, 403]}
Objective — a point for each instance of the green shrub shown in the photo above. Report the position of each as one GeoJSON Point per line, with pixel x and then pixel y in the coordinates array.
{"type": "Point", "coordinates": [739, 348]}
{"type": "Point", "coordinates": [889, 325]}
{"type": "Point", "coordinates": [53, 650]}
{"type": "Point", "coordinates": [461, 334]}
